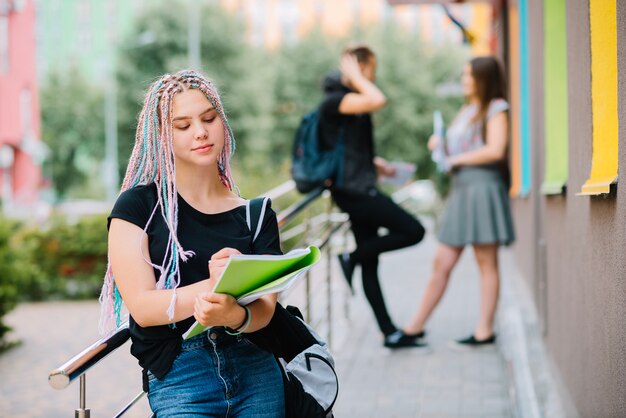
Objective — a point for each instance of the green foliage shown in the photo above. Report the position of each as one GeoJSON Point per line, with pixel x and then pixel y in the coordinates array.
{"type": "Point", "coordinates": [409, 73]}
{"type": "Point", "coordinates": [265, 93]}
{"type": "Point", "coordinates": [236, 68]}
{"type": "Point", "coordinates": [62, 261]}
{"type": "Point", "coordinates": [71, 259]}
{"type": "Point", "coordinates": [72, 112]}
{"type": "Point", "coordinates": [14, 269]}
{"type": "Point", "coordinates": [298, 73]}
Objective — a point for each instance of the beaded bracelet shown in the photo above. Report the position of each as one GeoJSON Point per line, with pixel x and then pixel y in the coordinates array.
{"type": "Point", "coordinates": [244, 325]}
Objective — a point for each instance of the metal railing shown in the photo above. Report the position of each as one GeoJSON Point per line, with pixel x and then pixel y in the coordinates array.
{"type": "Point", "coordinates": [317, 227]}
{"type": "Point", "coordinates": [78, 366]}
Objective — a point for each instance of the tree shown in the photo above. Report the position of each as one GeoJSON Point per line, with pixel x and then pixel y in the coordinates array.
{"type": "Point", "coordinates": [238, 70]}
{"type": "Point", "coordinates": [265, 93]}
{"type": "Point", "coordinates": [72, 113]}
{"type": "Point", "coordinates": [409, 70]}
{"type": "Point", "coordinates": [298, 73]}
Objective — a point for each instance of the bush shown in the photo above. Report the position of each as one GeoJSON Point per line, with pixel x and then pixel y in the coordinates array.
{"type": "Point", "coordinates": [71, 259]}
{"type": "Point", "coordinates": [14, 269]}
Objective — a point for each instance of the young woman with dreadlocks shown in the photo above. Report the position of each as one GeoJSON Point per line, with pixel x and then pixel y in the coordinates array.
{"type": "Point", "coordinates": [174, 225]}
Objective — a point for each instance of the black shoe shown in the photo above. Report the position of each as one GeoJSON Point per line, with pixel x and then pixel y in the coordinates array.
{"type": "Point", "coordinates": [399, 339]}
{"type": "Point", "coordinates": [347, 267]}
{"type": "Point", "coordinates": [471, 343]}
{"type": "Point", "coordinates": [416, 336]}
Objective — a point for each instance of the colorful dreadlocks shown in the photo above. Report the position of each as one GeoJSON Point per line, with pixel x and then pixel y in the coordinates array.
{"type": "Point", "coordinates": [152, 161]}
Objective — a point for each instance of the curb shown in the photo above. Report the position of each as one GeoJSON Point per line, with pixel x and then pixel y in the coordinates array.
{"type": "Point", "coordinates": [535, 385]}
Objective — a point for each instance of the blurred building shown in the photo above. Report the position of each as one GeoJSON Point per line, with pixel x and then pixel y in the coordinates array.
{"type": "Point", "coordinates": [81, 34]}
{"type": "Point", "coordinates": [21, 151]}
{"type": "Point", "coordinates": [273, 22]}
{"type": "Point", "coordinates": [37, 37]}
{"type": "Point", "coordinates": [566, 67]}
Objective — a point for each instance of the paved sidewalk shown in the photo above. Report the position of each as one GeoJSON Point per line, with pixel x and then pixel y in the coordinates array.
{"type": "Point", "coordinates": [374, 381]}
{"type": "Point", "coordinates": [378, 382]}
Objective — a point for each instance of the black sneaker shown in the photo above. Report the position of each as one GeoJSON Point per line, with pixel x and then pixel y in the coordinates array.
{"type": "Point", "coordinates": [347, 267]}
{"type": "Point", "coordinates": [416, 336]}
{"type": "Point", "coordinates": [399, 339]}
{"type": "Point", "coordinates": [471, 343]}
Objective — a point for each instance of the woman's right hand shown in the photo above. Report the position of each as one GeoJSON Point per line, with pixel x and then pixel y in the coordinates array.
{"type": "Point", "coordinates": [433, 142]}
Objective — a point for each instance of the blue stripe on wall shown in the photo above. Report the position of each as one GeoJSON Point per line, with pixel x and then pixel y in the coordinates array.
{"type": "Point", "coordinates": [525, 163]}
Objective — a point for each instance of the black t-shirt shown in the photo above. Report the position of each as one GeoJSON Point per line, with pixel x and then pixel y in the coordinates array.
{"type": "Point", "coordinates": [156, 347]}
{"type": "Point", "coordinates": [359, 172]}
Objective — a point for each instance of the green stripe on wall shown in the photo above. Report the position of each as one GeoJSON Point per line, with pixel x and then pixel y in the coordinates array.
{"type": "Point", "coordinates": [555, 97]}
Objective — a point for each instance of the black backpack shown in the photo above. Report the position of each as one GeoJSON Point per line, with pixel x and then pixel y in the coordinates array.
{"type": "Point", "coordinates": [311, 166]}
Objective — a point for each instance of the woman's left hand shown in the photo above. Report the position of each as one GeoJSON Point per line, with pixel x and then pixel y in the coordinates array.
{"type": "Point", "coordinates": [451, 164]}
{"type": "Point", "coordinates": [216, 309]}
{"type": "Point", "coordinates": [383, 168]}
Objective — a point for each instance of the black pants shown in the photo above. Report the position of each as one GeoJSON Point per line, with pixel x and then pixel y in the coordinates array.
{"type": "Point", "coordinates": [369, 212]}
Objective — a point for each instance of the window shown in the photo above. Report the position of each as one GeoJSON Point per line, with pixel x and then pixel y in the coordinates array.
{"type": "Point", "coordinates": [4, 40]}
{"type": "Point", "coordinates": [26, 101]}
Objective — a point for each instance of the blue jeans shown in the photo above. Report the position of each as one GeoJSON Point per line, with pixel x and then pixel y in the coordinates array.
{"type": "Point", "coordinates": [218, 375]}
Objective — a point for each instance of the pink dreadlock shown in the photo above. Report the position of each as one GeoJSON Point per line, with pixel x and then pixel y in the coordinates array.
{"type": "Point", "coordinates": [152, 161]}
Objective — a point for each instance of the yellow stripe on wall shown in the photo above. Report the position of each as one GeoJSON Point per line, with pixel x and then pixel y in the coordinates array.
{"type": "Point", "coordinates": [481, 27]}
{"type": "Point", "coordinates": [603, 26]}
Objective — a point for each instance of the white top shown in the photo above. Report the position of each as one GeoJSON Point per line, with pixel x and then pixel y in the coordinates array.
{"type": "Point", "coordinates": [466, 135]}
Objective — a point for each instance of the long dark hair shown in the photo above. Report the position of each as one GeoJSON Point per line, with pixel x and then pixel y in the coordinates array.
{"type": "Point", "coordinates": [489, 83]}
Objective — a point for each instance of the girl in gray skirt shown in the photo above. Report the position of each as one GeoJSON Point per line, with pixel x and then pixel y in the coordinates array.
{"type": "Point", "coordinates": [477, 211]}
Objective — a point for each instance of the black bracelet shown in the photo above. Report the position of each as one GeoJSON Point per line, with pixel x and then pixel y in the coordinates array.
{"type": "Point", "coordinates": [245, 320]}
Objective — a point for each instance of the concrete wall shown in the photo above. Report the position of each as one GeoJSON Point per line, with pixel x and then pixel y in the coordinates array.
{"type": "Point", "coordinates": [584, 301]}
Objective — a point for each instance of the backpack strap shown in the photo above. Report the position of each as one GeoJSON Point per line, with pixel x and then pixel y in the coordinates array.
{"type": "Point", "coordinates": [255, 212]}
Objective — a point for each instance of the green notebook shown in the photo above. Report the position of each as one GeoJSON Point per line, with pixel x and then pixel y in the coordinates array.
{"type": "Point", "coordinates": [247, 277]}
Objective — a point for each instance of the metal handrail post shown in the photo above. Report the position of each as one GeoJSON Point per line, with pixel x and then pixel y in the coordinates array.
{"type": "Point", "coordinates": [130, 404]}
{"type": "Point", "coordinates": [336, 225]}
{"type": "Point", "coordinates": [346, 298]}
{"type": "Point", "coordinates": [82, 412]}
{"type": "Point", "coordinates": [329, 293]}
{"type": "Point", "coordinates": [307, 278]}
